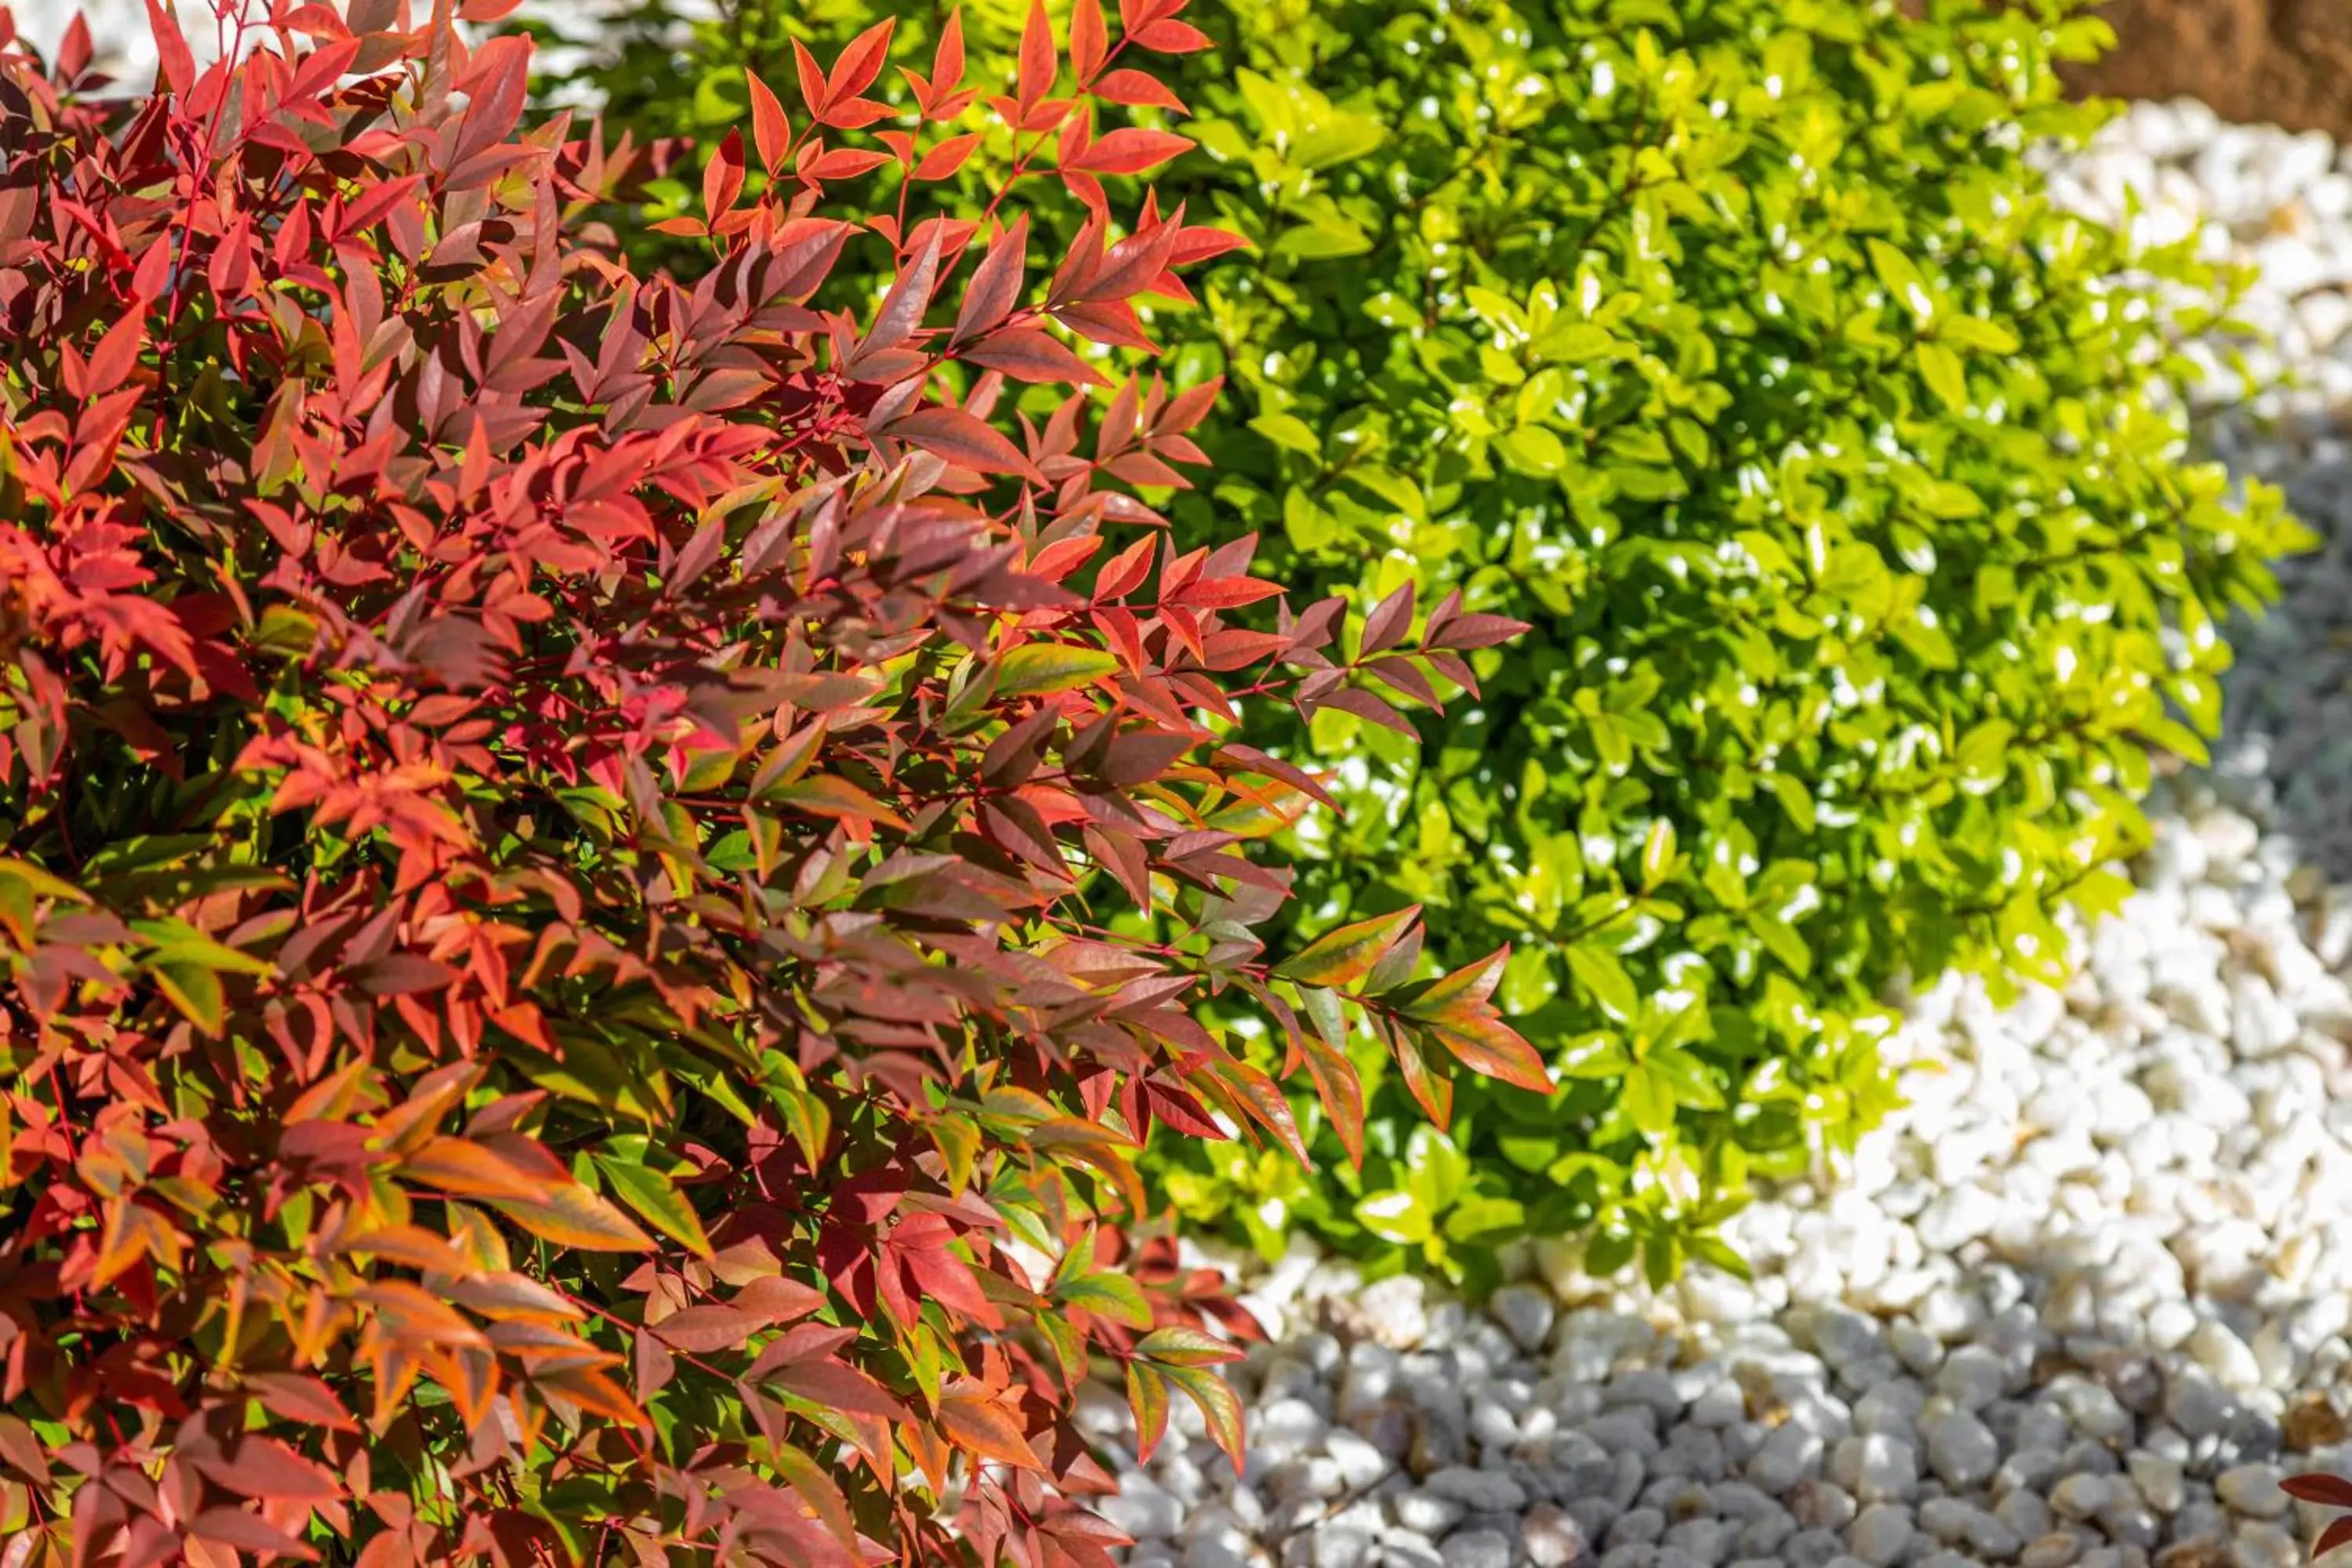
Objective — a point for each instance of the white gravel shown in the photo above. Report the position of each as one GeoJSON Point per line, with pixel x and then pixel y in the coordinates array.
{"type": "Point", "coordinates": [2283, 203]}
{"type": "Point", "coordinates": [2081, 1304]}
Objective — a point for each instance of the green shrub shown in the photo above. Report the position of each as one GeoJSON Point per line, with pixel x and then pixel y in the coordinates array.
{"type": "Point", "coordinates": [1735, 344]}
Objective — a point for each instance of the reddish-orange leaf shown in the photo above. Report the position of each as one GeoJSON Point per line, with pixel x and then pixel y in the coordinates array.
{"type": "Point", "coordinates": [466, 1169]}
{"type": "Point", "coordinates": [260, 1467]}
{"type": "Point", "coordinates": [241, 1531]}
{"type": "Point", "coordinates": [995, 285]}
{"type": "Point", "coordinates": [1173, 37]}
{"type": "Point", "coordinates": [179, 62]}
{"type": "Point", "coordinates": [1492, 1047]}
{"type": "Point", "coordinates": [826, 795]}
{"type": "Point", "coordinates": [946, 60]}
{"type": "Point", "coordinates": [1129, 150]}
{"type": "Point", "coordinates": [1147, 1397]}
{"type": "Point", "coordinates": [812, 79]}
{"type": "Point", "coordinates": [22, 1450]}
{"type": "Point", "coordinates": [976, 1422]}
{"type": "Point", "coordinates": [946, 158]}
{"type": "Point", "coordinates": [700, 1329]}
{"type": "Point", "coordinates": [722, 177]}
{"type": "Point", "coordinates": [1460, 995]}
{"type": "Point", "coordinates": [1087, 43]}
{"type": "Point", "coordinates": [117, 352]}
{"type": "Point", "coordinates": [592, 1391]}
{"type": "Point", "coordinates": [772, 132]}
{"type": "Point", "coordinates": [411, 1245]}
{"type": "Point", "coordinates": [408, 1312]}
{"type": "Point", "coordinates": [1037, 58]}
{"type": "Point", "coordinates": [1136, 89]}
{"type": "Point", "coordinates": [861, 62]}
{"type": "Point", "coordinates": [297, 1396]}
{"type": "Point", "coordinates": [571, 1215]}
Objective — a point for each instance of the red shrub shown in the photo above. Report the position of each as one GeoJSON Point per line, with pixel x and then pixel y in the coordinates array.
{"type": "Point", "coordinates": [601, 877]}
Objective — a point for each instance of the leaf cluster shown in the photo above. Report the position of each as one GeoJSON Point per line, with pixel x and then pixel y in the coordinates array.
{"type": "Point", "coordinates": [603, 875]}
{"type": "Point", "coordinates": [1737, 346]}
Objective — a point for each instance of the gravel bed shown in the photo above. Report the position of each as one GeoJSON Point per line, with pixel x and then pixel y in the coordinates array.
{"type": "Point", "coordinates": [2283, 203]}
{"type": "Point", "coordinates": [2081, 1304]}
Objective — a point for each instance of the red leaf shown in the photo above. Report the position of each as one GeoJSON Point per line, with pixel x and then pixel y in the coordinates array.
{"type": "Point", "coordinates": [995, 283]}
{"type": "Point", "coordinates": [22, 1449]}
{"type": "Point", "coordinates": [2333, 1490]}
{"type": "Point", "coordinates": [722, 177]}
{"type": "Point", "coordinates": [1137, 90]}
{"type": "Point", "coordinates": [260, 1466]}
{"type": "Point", "coordinates": [1032, 354]}
{"type": "Point", "coordinates": [1478, 631]}
{"type": "Point", "coordinates": [770, 131]}
{"type": "Point", "coordinates": [963, 440]}
{"type": "Point", "coordinates": [374, 205]}
{"type": "Point", "coordinates": [903, 307]}
{"type": "Point", "coordinates": [861, 62]}
{"type": "Point", "coordinates": [402, 975]}
{"type": "Point", "coordinates": [1256, 1096]}
{"type": "Point", "coordinates": [1388, 623]}
{"type": "Point", "coordinates": [297, 1396]}
{"type": "Point", "coordinates": [1038, 64]}
{"type": "Point", "coordinates": [812, 80]}
{"type": "Point", "coordinates": [1171, 37]}
{"type": "Point", "coordinates": [1490, 1046]}
{"type": "Point", "coordinates": [179, 64]}
{"type": "Point", "coordinates": [701, 1330]}
{"type": "Point", "coordinates": [1132, 150]}
{"type": "Point", "coordinates": [946, 158]}
{"type": "Point", "coordinates": [1087, 43]}
{"type": "Point", "coordinates": [2334, 1536]}
{"type": "Point", "coordinates": [946, 61]}
{"type": "Point", "coordinates": [244, 1531]}
{"type": "Point", "coordinates": [117, 352]}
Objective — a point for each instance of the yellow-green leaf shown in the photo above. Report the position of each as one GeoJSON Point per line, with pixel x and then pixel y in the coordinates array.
{"type": "Point", "coordinates": [1038, 668]}
{"type": "Point", "coordinates": [650, 1193]}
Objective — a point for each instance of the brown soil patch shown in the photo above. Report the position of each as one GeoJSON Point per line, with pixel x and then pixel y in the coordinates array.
{"type": "Point", "coordinates": [2283, 62]}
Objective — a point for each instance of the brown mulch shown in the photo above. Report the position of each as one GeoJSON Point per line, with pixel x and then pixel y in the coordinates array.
{"type": "Point", "coordinates": [2283, 62]}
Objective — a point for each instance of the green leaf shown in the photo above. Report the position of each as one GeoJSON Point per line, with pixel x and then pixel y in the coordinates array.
{"type": "Point", "coordinates": [1290, 433]}
{"type": "Point", "coordinates": [1602, 975]}
{"type": "Point", "coordinates": [1903, 279]}
{"type": "Point", "coordinates": [1398, 1215]}
{"type": "Point", "coordinates": [1650, 1101]}
{"type": "Point", "coordinates": [1486, 1219]}
{"type": "Point", "coordinates": [1435, 1170]}
{"type": "Point", "coordinates": [1983, 753]}
{"type": "Point", "coordinates": [1113, 1297]}
{"type": "Point", "coordinates": [194, 989]}
{"type": "Point", "coordinates": [1035, 669]}
{"type": "Point", "coordinates": [1657, 852]}
{"type": "Point", "coordinates": [1532, 450]}
{"type": "Point", "coordinates": [659, 1204]}
{"type": "Point", "coordinates": [1572, 343]}
{"type": "Point", "coordinates": [1940, 368]}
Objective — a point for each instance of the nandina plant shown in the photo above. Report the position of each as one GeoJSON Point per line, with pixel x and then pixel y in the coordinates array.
{"type": "Point", "coordinates": [600, 878]}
